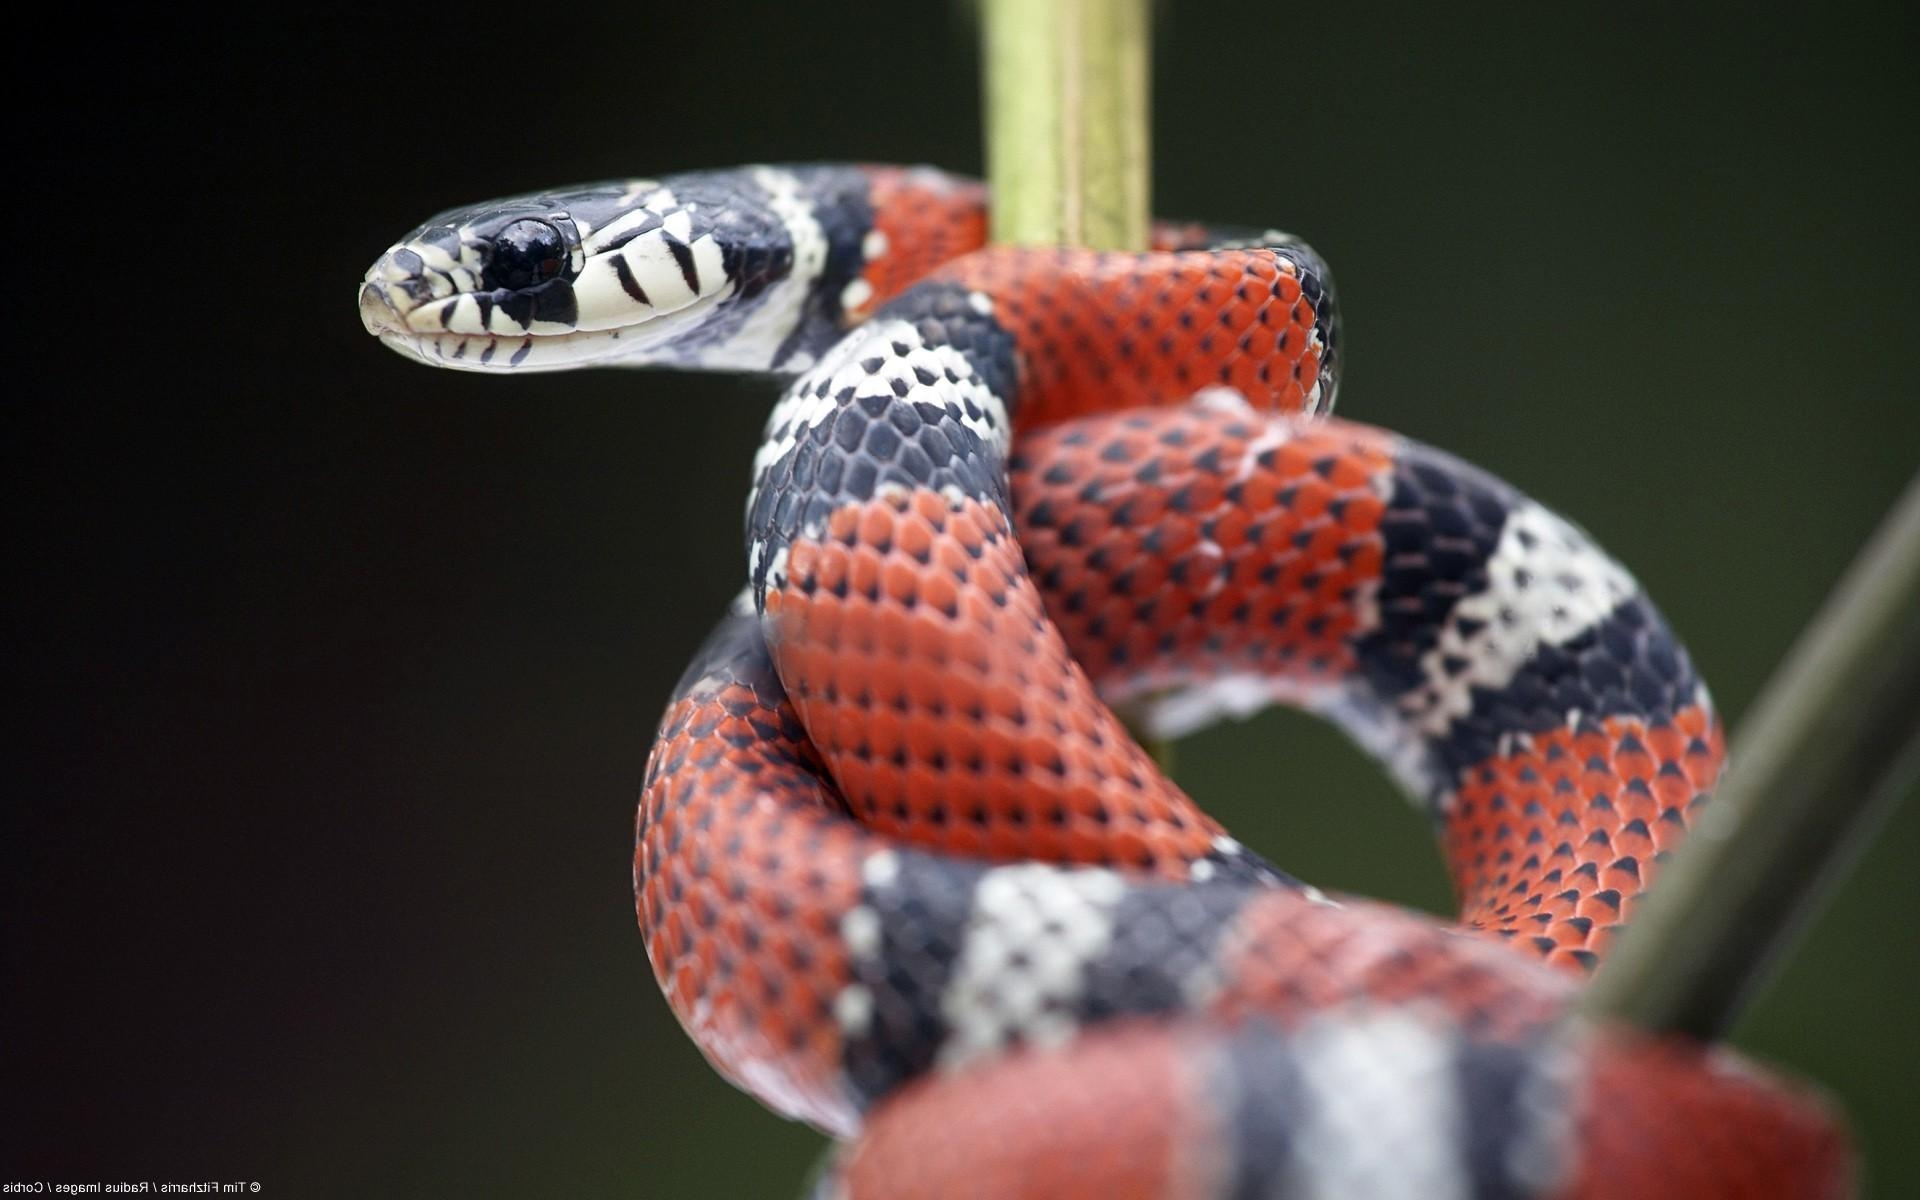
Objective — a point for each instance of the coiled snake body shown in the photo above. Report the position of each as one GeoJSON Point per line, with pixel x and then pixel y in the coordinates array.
{"type": "Point", "coordinates": [902, 873]}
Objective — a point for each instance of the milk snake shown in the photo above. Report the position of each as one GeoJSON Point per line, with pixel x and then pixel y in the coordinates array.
{"type": "Point", "coordinates": [901, 872]}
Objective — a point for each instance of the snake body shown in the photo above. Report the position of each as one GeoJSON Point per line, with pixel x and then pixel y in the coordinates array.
{"type": "Point", "coordinates": [904, 875]}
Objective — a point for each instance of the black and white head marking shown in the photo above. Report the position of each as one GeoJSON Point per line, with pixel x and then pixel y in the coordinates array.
{"type": "Point", "coordinates": [724, 270]}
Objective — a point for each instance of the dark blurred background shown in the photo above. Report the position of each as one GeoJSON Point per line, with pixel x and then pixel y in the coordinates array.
{"type": "Point", "coordinates": [337, 674]}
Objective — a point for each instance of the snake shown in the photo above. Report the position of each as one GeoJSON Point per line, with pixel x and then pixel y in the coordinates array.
{"type": "Point", "coordinates": [902, 869]}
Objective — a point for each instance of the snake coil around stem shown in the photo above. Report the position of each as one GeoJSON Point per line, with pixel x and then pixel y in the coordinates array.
{"type": "Point", "coordinates": [901, 872]}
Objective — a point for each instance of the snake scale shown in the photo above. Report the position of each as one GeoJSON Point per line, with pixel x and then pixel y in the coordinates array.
{"type": "Point", "coordinates": [903, 874]}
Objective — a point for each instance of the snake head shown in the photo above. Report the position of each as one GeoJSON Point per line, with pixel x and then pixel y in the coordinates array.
{"type": "Point", "coordinates": [612, 272]}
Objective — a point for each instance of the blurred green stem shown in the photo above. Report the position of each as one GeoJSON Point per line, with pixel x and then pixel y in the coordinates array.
{"type": "Point", "coordinates": [1831, 743]}
{"type": "Point", "coordinates": [1066, 120]}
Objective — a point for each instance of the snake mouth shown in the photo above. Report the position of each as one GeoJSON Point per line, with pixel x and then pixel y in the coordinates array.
{"type": "Point", "coordinates": [634, 343]}
{"type": "Point", "coordinates": [495, 353]}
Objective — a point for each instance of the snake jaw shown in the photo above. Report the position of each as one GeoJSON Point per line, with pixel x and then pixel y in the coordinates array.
{"type": "Point", "coordinates": [554, 348]}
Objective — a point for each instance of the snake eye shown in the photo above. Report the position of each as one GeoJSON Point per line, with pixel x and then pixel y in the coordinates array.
{"type": "Point", "coordinates": [526, 253]}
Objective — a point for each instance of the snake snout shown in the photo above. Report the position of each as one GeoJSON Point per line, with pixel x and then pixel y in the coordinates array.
{"type": "Point", "coordinates": [378, 312]}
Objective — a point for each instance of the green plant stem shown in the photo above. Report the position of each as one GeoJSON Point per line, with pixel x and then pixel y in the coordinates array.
{"type": "Point", "coordinates": [1066, 120]}
{"type": "Point", "coordinates": [1830, 745]}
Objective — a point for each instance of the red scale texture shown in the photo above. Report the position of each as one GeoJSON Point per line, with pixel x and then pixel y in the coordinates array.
{"type": "Point", "coordinates": [1671, 1118]}
{"type": "Point", "coordinates": [1290, 958]}
{"type": "Point", "coordinates": [1102, 332]}
{"type": "Point", "coordinates": [742, 875]}
{"type": "Point", "coordinates": [1144, 1139]}
{"type": "Point", "coordinates": [1558, 839]}
{"type": "Point", "coordinates": [1177, 545]}
{"type": "Point", "coordinates": [923, 219]}
{"type": "Point", "coordinates": [946, 706]}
